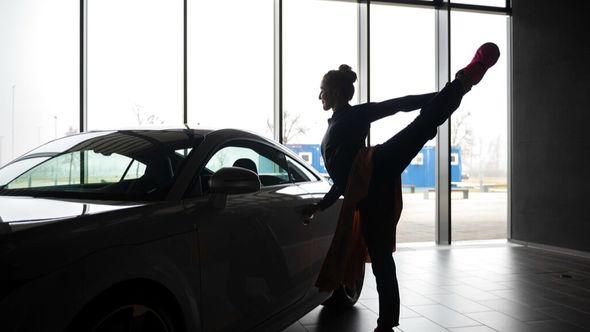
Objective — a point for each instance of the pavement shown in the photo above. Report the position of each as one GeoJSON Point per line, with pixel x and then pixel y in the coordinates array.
{"type": "Point", "coordinates": [482, 216]}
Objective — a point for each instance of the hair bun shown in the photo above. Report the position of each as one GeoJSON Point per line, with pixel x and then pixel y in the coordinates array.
{"type": "Point", "coordinates": [348, 73]}
{"type": "Point", "coordinates": [344, 67]}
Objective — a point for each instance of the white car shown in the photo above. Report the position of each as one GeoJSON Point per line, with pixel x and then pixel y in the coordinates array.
{"type": "Point", "coordinates": [161, 230]}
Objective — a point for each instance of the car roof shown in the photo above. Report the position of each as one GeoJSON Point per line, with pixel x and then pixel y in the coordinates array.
{"type": "Point", "coordinates": [154, 130]}
{"type": "Point", "coordinates": [161, 134]}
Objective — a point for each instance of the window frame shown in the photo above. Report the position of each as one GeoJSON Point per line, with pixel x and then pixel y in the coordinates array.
{"type": "Point", "coordinates": [442, 7]}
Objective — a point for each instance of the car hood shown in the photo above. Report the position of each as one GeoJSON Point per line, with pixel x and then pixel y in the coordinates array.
{"type": "Point", "coordinates": [25, 212]}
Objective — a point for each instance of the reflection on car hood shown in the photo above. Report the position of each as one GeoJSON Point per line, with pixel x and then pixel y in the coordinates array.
{"type": "Point", "coordinates": [25, 212]}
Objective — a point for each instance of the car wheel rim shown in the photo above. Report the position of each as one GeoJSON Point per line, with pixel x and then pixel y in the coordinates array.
{"type": "Point", "coordinates": [132, 318]}
{"type": "Point", "coordinates": [353, 293]}
{"type": "Point", "coordinates": [350, 292]}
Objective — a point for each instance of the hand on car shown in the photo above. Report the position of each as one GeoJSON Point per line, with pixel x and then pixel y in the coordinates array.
{"type": "Point", "coordinates": [308, 213]}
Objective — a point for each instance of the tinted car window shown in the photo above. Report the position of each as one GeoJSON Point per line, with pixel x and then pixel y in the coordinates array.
{"type": "Point", "coordinates": [268, 163]}
{"type": "Point", "coordinates": [18, 167]}
{"type": "Point", "coordinates": [299, 173]}
{"type": "Point", "coordinates": [125, 165]}
{"type": "Point", "coordinates": [65, 169]}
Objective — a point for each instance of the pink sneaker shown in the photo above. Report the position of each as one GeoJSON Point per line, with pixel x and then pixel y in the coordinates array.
{"type": "Point", "coordinates": [486, 56]}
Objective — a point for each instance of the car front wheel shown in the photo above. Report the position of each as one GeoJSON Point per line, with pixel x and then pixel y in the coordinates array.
{"type": "Point", "coordinates": [127, 312]}
{"type": "Point", "coordinates": [345, 296]}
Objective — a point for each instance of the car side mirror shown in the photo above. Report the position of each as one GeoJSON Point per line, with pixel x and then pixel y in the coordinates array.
{"type": "Point", "coordinates": [231, 181]}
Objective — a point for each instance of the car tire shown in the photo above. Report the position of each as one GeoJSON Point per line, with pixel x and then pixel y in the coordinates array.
{"type": "Point", "coordinates": [345, 297]}
{"type": "Point", "coordinates": [133, 311]}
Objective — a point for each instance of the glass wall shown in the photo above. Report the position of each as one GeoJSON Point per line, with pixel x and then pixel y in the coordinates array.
{"type": "Point", "coordinates": [231, 65]}
{"type": "Point", "coordinates": [404, 63]}
{"type": "Point", "coordinates": [39, 73]}
{"type": "Point", "coordinates": [318, 36]}
{"type": "Point", "coordinates": [479, 132]}
{"type": "Point", "coordinates": [135, 63]}
{"type": "Point", "coordinates": [135, 54]}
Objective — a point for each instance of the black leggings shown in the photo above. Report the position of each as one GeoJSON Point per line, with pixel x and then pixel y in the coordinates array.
{"type": "Point", "coordinates": [389, 160]}
{"type": "Point", "coordinates": [393, 156]}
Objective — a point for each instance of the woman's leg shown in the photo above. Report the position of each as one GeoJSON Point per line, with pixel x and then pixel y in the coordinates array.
{"type": "Point", "coordinates": [378, 224]}
{"type": "Point", "coordinates": [398, 151]}
{"type": "Point", "coordinates": [378, 229]}
{"type": "Point", "coordinates": [391, 158]}
{"type": "Point", "coordinates": [395, 154]}
{"type": "Point", "coordinates": [378, 220]}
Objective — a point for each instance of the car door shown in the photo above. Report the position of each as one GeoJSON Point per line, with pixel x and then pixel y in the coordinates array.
{"type": "Point", "coordinates": [321, 228]}
{"type": "Point", "coordinates": [254, 258]}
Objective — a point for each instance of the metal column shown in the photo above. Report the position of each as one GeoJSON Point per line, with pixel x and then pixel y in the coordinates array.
{"type": "Point", "coordinates": [184, 63]}
{"type": "Point", "coordinates": [278, 70]}
{"type": "Point", "coordinates": [83, 116]}
{"type": "Point", "coordinates": [364, 54]}
{"type": "Point", "coordinates": [510, 132]}
{"type": "Point", "coordinates": [443, 169]}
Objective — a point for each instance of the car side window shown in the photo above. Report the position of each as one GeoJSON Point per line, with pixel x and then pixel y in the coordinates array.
{"type": "Point", "coordinates": [64, 170]}
{"type": "Point", "coordinates": [268, 163]}
{"type": "Point", "coordinates": [299, 173]}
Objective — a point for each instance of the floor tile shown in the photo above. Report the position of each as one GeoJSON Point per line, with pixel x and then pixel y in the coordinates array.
{"type": "Point", "coordinates": [458, 303]}
{"type": "Point", "coordinates": [473, 289]}
{"type": "Point", "coordinates": [444, 316]}
{"type": "Point", "coordinates": [471, 293]}
{"type": "Point", "coordinates": [373, 305]}
{"type": "Point", "coordinates": [409, 298]}
{"type": "Point", "coordinates": [295, 327]}
{"type": "Point", "coordinates": [424, 288]}
{"type": "Point", "coordinates": [555, 326]}
{"type": "Point", "coordinates": [420, 324]}
{"type": "Point", "coordinates": [485, 285]}
{"type": "Point", "coordinates": [523, 297]}
{"type": "Point", "coordinates": [472, 329]}
{"type": "Point", "coordinates": [369, 293]}
{"type": "Point", "coordinates": [499, 321]}
{"type": "Point", "coordinates": [515, 310]}
{"type": "Point", "coordinates": [353, 320]}
{"type": "Point", "coordinates": [569, 315]}
{"type": "Point", "coordinates": [312, 316]}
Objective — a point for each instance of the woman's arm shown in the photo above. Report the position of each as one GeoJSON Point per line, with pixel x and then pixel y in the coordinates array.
{"type": "Point", "coordinates": [403, 104]}
{"type": "Point", "coordinates": [330, 198]}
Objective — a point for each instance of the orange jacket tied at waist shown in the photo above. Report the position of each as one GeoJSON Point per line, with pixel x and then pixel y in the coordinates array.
{"type": "Point", "coordinates": [348, 253]}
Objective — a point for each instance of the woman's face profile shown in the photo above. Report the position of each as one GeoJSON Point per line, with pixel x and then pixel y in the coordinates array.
{"type": "Point", "coordinates": [326, 96]}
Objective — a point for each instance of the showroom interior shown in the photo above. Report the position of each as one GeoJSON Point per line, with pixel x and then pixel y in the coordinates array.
{"type": "Point", "coordinates": [493, 235]}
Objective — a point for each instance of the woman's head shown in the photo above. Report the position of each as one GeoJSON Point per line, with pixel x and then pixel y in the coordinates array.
{"type": "Point", "coordinates": [337, 87]}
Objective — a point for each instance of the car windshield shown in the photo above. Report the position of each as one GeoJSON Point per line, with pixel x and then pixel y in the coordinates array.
{"type": "Point", "coordinates": [119, 165]}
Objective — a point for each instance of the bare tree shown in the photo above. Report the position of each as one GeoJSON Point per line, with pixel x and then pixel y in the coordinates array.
{"type": "Point", "coordinates": [462, 136]}
{"type": "Point", "coordinates": [461, 133]}
{"type": "Point", "coordinates": [493, 158]}
{"type": "Point", "coordinates": [292, 127]}
{"type": "Point", "coordinates": [71, 131]}
{"type": "Point", "coordinates": [221, 157]}
{"type": "Point", "coordinates": [143, 117]}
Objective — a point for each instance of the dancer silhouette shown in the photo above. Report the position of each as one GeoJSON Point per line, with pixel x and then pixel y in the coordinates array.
{"type": "Point", "coordinates": [345, 138]}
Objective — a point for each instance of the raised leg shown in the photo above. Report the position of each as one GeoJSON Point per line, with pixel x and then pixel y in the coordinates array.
{"type": "Point", "coordinates": [393, 156]}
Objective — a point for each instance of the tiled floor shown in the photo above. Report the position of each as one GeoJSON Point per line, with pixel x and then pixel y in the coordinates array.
{"type": "Point", "coordinates": [477, 288]}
